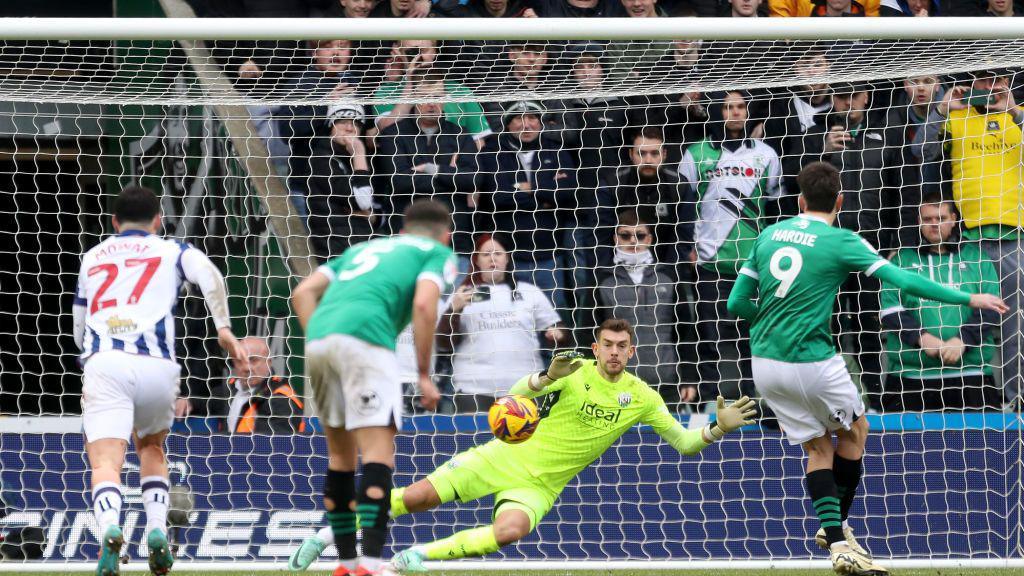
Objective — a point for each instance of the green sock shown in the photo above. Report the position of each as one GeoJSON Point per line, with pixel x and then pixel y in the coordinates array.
{"type": "Point", "coordinates": [342, 523]}
{"type": "Point", "coordinates": [397, 503]}
{"type": "Point", "coordinates": [478, 541]}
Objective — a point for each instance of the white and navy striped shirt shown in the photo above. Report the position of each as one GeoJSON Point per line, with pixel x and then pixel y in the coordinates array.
{"type": "Point", "coordinates": [128, 288]}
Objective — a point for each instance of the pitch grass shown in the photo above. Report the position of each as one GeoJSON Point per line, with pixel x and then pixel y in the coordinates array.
{"type": "Point", "coordinates": [719, 572]}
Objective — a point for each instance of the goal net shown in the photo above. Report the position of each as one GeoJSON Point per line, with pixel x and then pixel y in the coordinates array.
{"type": "Point", "coordinates": [592, 173]}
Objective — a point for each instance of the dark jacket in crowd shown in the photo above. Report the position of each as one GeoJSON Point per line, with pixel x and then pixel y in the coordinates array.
{"type": "Point", "coordinates": [336, 219]}
{"type": "Point", "coordinates": [402, 146]}
{"type": "Point", "coordinates": [273, 409]}
{"type": "Point", "coordinates": [595, 130]}
{"type": "Point", "coordinates": [562, 9]}
{"type": "Point", "coordinates": [869, 170]}
{"type": "Point", "coordinates": [650, 309]}
{"type": "Point", "coordinates": [530, 217]}
{"type": "Point", "coordinates": [663, 201]}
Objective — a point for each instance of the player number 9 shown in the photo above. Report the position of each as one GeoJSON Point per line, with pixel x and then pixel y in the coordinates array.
{"type": "Point", "coordinates": [787, 276]}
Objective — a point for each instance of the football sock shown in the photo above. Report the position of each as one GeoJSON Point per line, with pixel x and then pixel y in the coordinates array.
{"type": "Point", "coordinates": [397, 503]}
{"type": "Point", "coordinates": [106, 502]}
{"type": "Point", "coordinates": [847, 474]}
{"type": "Point", "coordinates": [154, 501]}
{"type": "Point", "coordinates": [326, 535]}
{"type": "Point", "coordinates": [374, 512]}
{"type": "Point", "coordinates": [339, 492]}
{"type": "Point", "coordinates": [821, 486]}
{"type": "Point", "coordinates": [478, 541]}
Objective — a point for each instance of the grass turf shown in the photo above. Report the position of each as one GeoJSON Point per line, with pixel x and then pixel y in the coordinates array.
{"type": "Point", "coordinates": [786, 572]}
{"type": "Point", "coordinates": [720, 572]}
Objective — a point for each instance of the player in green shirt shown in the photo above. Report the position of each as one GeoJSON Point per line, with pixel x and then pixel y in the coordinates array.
{"type": "Point", "coordinates": [586, 406]}
{"type": "Point", "coordinates": [795, 269]}
{"type": "Point", "coordinates": [352, 309]}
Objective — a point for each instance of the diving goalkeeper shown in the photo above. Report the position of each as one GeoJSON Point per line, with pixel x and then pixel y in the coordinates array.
{"type": "Point", "coordinates": [586, 407]}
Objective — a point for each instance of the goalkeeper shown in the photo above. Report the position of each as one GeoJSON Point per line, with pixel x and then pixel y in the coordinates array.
{"type": "Point", "coordinates": [586, 407]}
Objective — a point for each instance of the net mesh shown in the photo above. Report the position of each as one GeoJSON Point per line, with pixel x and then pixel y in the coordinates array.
{"type": "Point", "coordinates": [543, 146]}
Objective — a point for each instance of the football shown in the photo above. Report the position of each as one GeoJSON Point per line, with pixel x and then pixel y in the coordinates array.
{"type": "Point", "coordinates": [513, 419]}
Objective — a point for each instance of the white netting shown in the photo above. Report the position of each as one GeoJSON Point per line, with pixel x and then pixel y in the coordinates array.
{"type": "Point", "coordinates": [544, 145]}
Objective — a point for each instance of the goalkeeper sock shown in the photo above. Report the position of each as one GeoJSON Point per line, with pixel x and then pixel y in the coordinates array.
{"type": "Point", "coordinates": [398, 503]}
{"type": "Point", "coordinates": [154, 501]}
{"type": "Point", "coordinates": [847, 474]}
{"type": "Point", "coordinates": [106, 501]}
{"type": "Point", "coordinates": [478, 541]}
{"type": "Point", "coordinates": [374, 511]}
{"type": "Point", "coordinates": [821, 486]}
{"type": "Point", "coordinates": [339, 492]}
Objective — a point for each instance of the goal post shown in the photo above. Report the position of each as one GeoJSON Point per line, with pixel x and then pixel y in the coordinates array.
{"type": "Point", "coordinates": [241, 126]}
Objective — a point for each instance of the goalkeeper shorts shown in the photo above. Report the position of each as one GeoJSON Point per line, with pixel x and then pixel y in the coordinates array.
{"type": "Point", "coordinates": [355, 384]}
{"type": "Point", "coordinates": [810, 399]}
{"type": "Point", "coordinates": [469, 476]}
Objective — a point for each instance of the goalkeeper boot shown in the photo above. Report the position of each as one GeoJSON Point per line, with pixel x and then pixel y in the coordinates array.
{"type": "Point", "coordinates": [110, 553]}
{"type": "Point", "coordinates": [822, 542]}
{"type": "Point", "coordinates": [160, 557]}
{"type": "Point", "coordinates": [306, 554]}
{"type": "Point", "coordinates": [849, 562]}
{"type": "Point", "coordinates": [409, 560]}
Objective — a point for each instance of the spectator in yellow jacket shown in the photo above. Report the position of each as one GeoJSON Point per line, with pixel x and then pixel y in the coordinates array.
{"type": "Point", "coordinates": [803, 8]}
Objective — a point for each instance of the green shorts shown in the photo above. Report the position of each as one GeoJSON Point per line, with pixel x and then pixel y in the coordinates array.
{"type": "Point", "coordinates": [469, 476]}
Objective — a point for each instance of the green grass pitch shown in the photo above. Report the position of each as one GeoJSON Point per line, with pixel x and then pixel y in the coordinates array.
{"type": "Point", "coordinates": [719, 572]}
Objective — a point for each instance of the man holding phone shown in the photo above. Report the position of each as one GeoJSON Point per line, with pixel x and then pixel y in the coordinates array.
{"type": "Point", "coordinates": [978, 126]}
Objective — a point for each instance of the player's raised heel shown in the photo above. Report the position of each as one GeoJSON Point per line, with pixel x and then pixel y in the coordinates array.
{"type": "Point", "coordinates": [849, 562]}
{"type": "Point", "coordinates": [306, 554]}
{"type": "Point", "coordinates": [160, 557]}
{"type": "Point", "coordinates": [408, 561]}
{"type": "Point", "coordinates": [110, 553]}
{"type": "Point", "coordinates": [820, 540]}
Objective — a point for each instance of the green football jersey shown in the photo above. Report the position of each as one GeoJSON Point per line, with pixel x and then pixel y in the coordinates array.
{"type": "Point", "coordinates": [583, 415]}
{"type": "Point", "coordinates": [799, 265]}
{"type": "Point", "coordinates": [373, 284]}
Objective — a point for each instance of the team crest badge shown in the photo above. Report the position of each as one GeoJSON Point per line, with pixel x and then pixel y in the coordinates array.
{"type": "Point", "coordinates": [624, 399]}
{"type": "Point", "coordinates": [993, 126]}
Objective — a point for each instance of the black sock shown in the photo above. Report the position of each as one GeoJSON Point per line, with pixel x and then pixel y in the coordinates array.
{"type": "Point", "coordinates": [821, 486]}
{"type": "Point", "coordinates": [847, 475]}
{"type": "Point", "coordinates": [374, 513]}
{"type": "Point", "coordinates": [339, 492]}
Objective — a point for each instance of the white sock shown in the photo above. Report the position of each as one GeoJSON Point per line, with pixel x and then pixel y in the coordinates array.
{"type": "Point", "coordinates": [326, 535]}
{"type": "Point", "coordinates": [846, 525]}
{"type": "Point", "coordinates": [370, 563]}
{"type": "Point", "coordinates": [106, 502]}
{"type": "Point", "coordinates": [154, 500]}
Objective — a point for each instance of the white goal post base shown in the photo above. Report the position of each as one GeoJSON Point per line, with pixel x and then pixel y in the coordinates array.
{"type": "Point", "coordinates": [543, 565]}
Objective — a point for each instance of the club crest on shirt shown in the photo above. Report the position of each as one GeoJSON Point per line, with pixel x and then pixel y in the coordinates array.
{"type": "Point", "coordinates": [992, 126]}
{"type": "Point", "coordinates": [625, 399]}
{"type": "Point", "coordinates": [118, 325]}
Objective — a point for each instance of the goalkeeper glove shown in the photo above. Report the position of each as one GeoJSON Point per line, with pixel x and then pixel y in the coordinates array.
{"type": "Point", "coordinates": [562, 364]}
{"type": "Point", "coordinates": [732, 417]}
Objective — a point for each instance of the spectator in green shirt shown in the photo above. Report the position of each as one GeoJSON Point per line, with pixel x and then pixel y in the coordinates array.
{"type": "Point", "coordinates": [940, 354]}
{"type": "Point", "coordinates": [412, 64]}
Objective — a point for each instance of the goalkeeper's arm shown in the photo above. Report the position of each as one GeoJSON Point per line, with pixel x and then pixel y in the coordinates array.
{"type": "Point", "coordinates": [562, 365]}
{"type": "Point", "coordinates": [728, 418]}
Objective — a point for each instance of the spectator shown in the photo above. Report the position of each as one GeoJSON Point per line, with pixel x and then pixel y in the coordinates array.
{"type": "Point", "coordinates": [427, 156]}
{"type": "Point", "coordinates": [414, 59]}
{"type": "Point", "coordinates": [907, 117]}
{"type": "Point", "coordinates": [745, 9]}
{"type": "Point", "coordinates": [981, 127]}
{"type": "Point", "coordinates": [346, 9]}
{"type": "Point", "coordinates": [478, 59]}
{"type": "Point", "coordinates": [869, 161]}
{"type": "Point", "coordinates": [1002, 8]}
{"type": "Point", "coordinates": [804, 8]}
{"type": "Point", "coordinates": [484, 9]}
{"type": "Point", "coordinates": [533, 178]}
{"type": "Point", "coordinates": [401, 9]}
{"type": "Point", "coordinates": [656, 191]}
{"type": "Point", "coordinates": [340, 192]}
{"type": "Point", "coordinates": [301, 125]}
{"type": "Point", "coordinates": [917, 8]}
{"type": "Point", "coordinates": [940, 354]}
{"type": "Point", "coordinates": [640, 60]}
{"type": "Point", "coordinates": [642, 291]}
{"type": "Point", "coordinates": [578, 8]}
{"type": "Point", "coordinates": [262, 403]}
{"type": "Point", "coordinates": [526, 69]}
{"type": "Point", "coordinates": [492, 323]}
{"type": "Point", "coordinates": [735, 178]}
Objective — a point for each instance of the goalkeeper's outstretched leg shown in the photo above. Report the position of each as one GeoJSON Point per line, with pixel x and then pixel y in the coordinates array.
{"type": "Point", "coordinates": [513, 520]}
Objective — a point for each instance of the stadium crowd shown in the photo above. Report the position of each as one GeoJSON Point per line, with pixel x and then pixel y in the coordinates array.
{"type": "Point", "coordinates": [643, 207]}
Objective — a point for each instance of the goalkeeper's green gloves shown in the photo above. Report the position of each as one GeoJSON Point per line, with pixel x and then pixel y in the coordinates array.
{"type": "Point", "coordinates": [732, 417]}
{"type": "Point", "coordinates": [562, 364]}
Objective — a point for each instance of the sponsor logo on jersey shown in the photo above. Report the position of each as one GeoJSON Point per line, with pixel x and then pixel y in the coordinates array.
{"type": "Point", "coordinates": [117, 325]}
{"type": "Point", "coordinates": [625, 399]}
{"type": "Point", "coordinates": [741, 171]}
{"type": "Point", "coordinates": [598, 416]}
